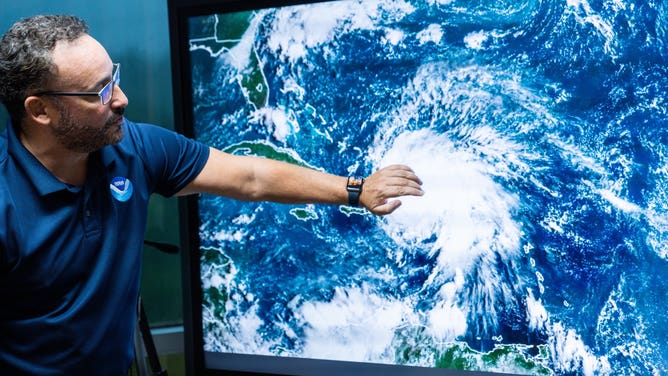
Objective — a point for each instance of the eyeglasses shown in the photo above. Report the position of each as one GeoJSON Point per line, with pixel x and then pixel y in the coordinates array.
{"type": "Point", "coordinates": [106, 94]}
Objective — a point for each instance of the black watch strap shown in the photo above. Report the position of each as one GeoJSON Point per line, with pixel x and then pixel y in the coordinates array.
{"type": "Point", "coordinates": [354, 188]}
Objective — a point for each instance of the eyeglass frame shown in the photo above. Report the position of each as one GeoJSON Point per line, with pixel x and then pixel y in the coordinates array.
{"type": "Point", "coordinates": [115, 80]}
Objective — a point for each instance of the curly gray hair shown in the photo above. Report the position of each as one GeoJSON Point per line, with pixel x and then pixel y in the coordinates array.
{"type": "Point", "coordinates": [26, 64]}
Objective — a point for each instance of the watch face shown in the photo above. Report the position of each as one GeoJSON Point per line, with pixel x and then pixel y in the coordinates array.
{"type": "Point", "coordinates": [355, 182]}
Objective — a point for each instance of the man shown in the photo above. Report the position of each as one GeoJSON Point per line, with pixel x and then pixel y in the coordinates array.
{"type": "Point", "coordinates": [75, 180]}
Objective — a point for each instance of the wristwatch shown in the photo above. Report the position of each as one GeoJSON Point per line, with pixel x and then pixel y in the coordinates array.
{"type": "Point", "coordinates": [354, 188]}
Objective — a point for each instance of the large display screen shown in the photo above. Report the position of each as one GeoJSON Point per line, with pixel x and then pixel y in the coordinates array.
{"type": "Point", "coordinates": [539, 129]}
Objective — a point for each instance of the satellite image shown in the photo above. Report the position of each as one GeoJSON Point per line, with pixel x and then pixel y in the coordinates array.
{"type": "Point", "coordinates": [540, 131]}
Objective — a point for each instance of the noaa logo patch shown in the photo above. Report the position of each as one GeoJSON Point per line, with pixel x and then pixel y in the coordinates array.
{"type": "Point", "coordinates": [121, 188]}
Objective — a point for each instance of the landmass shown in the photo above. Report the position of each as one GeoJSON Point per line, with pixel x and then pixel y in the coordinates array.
{"type": "Point", "coordinates": [223, 34]}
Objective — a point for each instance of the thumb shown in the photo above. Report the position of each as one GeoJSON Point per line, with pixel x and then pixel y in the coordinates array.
{"type": "Point", "coordinates": [386, 208]}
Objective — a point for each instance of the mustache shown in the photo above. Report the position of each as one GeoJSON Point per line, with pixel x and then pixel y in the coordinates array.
{"type": "Point", "coordinates": [118, 115]}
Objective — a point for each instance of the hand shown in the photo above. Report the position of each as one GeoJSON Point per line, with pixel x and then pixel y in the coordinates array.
{"type": "Point", "coordinates": [387, 183]}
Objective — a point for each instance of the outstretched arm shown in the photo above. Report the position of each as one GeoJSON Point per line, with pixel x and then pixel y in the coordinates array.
{"type": "Point", "coordinates": [260, 179]}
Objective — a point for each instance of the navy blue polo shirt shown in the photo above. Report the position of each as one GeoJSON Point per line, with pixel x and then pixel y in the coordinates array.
{"type": "Point", "coordinates": [70, 257]}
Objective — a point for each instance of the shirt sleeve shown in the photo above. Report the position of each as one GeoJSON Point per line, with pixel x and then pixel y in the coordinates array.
{"type": "Point", "coordinates": [171, 159]}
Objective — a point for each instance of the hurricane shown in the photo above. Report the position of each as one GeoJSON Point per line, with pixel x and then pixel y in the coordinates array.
{"type": "Point", "coordinates": [539, 130]}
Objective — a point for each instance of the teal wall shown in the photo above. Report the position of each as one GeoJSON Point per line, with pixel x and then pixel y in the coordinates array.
{"type": "Point", "coordinates": [136, 34]}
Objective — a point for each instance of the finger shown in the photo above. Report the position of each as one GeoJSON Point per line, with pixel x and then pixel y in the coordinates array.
{"type": "Point", "coordinates": [399, 171]}
{"type": "Point", "coordinates": [403, 191]}
{"type": "Point", "coordinates": [399, 167]}
{"type": "Point", "coordinates": [397, 187]}
{"type": "Point", "coordinates": [394, 178]}
{"type": "Point", "coordinates": [403, 182]}
{"type": "Point", "coordinates": [386, 208]}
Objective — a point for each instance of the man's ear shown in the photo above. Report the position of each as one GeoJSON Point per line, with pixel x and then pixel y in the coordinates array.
{"type": "Point", "coordinates": [38, 110]}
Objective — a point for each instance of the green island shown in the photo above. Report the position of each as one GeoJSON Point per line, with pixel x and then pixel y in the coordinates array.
{"type": "Point", "coordinates": [304, 214]}
{"type": "Point", "coordinates": [350, 210]}
{"type": "Point", "coordinates": [267, 150]}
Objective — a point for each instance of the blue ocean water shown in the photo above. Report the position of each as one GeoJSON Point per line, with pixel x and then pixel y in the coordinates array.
{"type": "Point", "coordinates": [540, 132]}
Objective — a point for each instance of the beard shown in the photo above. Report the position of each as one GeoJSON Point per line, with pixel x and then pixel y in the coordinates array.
{"type": "Point", "coordinates": [87, 139]}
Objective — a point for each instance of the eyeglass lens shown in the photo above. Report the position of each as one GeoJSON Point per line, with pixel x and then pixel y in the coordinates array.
{"type": "Point", "coordinates": [108, 90]}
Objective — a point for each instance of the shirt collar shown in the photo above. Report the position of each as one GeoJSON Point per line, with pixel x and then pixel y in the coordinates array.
{"type": "Point", "coordinates": [40, 177]}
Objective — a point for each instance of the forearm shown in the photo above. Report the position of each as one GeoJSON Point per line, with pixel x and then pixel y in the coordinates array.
{"type": "Point", "coordinates": [260, 179]}
{"type": "Point", "coordinates": [288, 183]}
